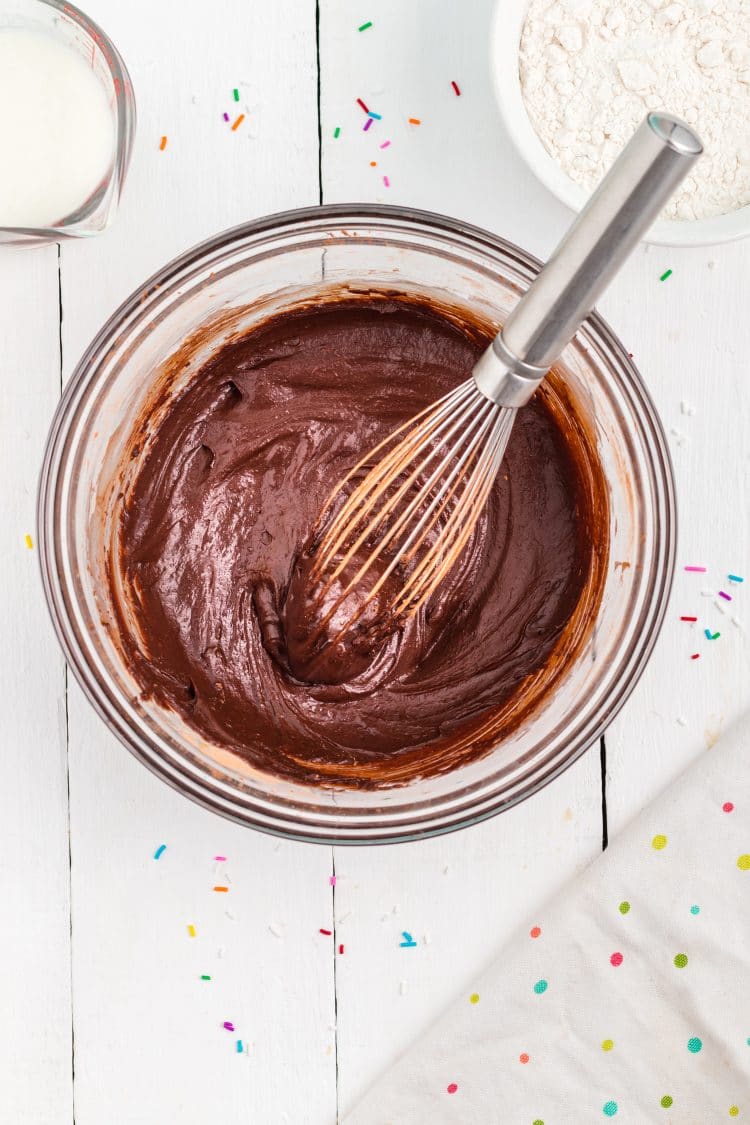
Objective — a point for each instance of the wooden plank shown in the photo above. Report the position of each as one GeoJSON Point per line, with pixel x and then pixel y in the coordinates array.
{"type": "Point", "coordinates": [150, 1045]}
{"type": "Point", "coordinates": [35, 1029]}
{"type": "Point", "coordinates": [691, 337]}
{"type": "Point", "coordinates": [457, 162]}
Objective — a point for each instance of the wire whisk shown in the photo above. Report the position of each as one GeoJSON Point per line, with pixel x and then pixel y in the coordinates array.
{"type": "Point", "coordinates": [417, 504]}
{"type": "Point", "coordinates": [409, 507]}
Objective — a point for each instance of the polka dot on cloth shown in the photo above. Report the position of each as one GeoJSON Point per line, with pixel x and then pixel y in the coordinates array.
{"type": "Point", "coordinates": [540, 987]}
{"type": "Point", "coordinates": [607, 1044]}
{"type": "Point", "coordinates": [474, 998]}
{"type": "Point", "coordinates": [535, 931]}
{"type": "Point", "coordinates": [616, 959]}
{"type": "Point", "coordinates": [728, 806]}
{"type": "Point", "coordinates": [695, 1045]}
{"type": "Point", "coordinates": [624, 908]}
{"type": "Point", "coordinates": [609, 1109]}
{"type": "Point", "coordinates": [695, 909]}
{"type": "Point", "coordinates": [666, 1102]}
{"type": "Point", "coordinates": [452, 1088]}
{"type": "Point", "coordinates": [743, 862]}
{"type": "Point", "coordinates": [523, 1058]}
{"type": "Point", "coordinates": [659, 842]}
{"type": "Point", "coordinates": [734, 1111]}
{"type": "Point", "coordinates": [680, 960]}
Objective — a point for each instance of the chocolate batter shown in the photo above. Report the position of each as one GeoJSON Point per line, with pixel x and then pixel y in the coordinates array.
{"type": "Point", "coordinates": [216, 533]}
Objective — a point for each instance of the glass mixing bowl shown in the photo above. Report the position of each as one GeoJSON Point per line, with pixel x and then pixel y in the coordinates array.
{"type": "Point", "coordinates": [233, 281]}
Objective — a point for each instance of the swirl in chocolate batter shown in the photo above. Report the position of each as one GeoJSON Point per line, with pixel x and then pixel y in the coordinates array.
{"type": "Point", "coordinates": [215, 539]}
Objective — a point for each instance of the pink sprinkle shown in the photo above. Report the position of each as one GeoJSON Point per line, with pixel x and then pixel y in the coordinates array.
{"type": "Point", "coordinates": [228, 1026]}
{"type": "Point", "coordinates": [452, 1088]}
{"type": "Point", "coordinates": [696, 569]}
{"type": "Point", "coordinates": [326, 932]}
{"type": "Point", "coordinates": [386, 181]}
{"type": "Point", "coordinates": [332, 880]}
{"type": "Point", "coordinates": [728, 806]}
{"type": "Point", "coordinates": [220, 858]}
{"type": "Point", "coordinates": [616, 959]}
{"type": "Point", "coordinates": [456, 89]}
{"type": "Point", "coordinates": [726, 597]}
{"type": "Point", "coordinates": [367, 124]}
{"type": "Point", "coordinates": [385, 144]}
{"type": "Point", "coordinates": [225, 116]}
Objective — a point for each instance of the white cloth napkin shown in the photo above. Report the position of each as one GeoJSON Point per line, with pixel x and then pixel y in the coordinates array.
{"type": "Point", "coordinates": [626, 999]}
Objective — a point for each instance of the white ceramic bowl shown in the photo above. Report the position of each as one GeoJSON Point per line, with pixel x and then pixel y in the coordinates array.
{"type": "Point", "coordinates": [504, 43]}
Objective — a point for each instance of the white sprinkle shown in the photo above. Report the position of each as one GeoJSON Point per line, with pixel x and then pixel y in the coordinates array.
{"type": "Point", "coordinates": [712, 265]}
{"type": "Point", "coordinates": [343, 917]}
{"type": "Point", "coordinates": [276, 929]}
{"type": "Point", "coordinates": [706, 593]}
{"type": "Point", "coordinates": [231, 915]}
{"type": "Point", "coordinates": [446, 869]}
{"type": "Point", "coordinates": [687, 409]}
{"type": "Point", "coordinates": [736, 621]}
{"type": "Point", "coordinates": [396, 909]}
{"type": "Point", "coordinates": [677, 435]}
{"type": "Point", "coordinates": [427, 939]}
{"type": "Point", "coordinates": [719, 606]}
{"type": "Point", "coordinates": [402, 988]}
{"type": "Point", "coordinates": [681, 722]}
{"type": "Point", "coordinates": [220, 952]}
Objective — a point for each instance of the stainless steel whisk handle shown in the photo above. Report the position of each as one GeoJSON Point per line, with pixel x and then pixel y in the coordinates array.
{"type": "Point", "coordinates": [626, 202]}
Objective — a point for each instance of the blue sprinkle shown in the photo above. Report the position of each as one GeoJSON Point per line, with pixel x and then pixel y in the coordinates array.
{"type": "Point", "coordinates": [239, 1047]}
{"type": "Point", "coordinates": [375, 116]}
{"type": "Point", "coordinates": [711, 636]}
{"type": "Point", "coordinates": [408, 940]}
{"type": "Point", "coordinates": [735, 578]}
{"type": "Point", "coordinates": [160, 850]}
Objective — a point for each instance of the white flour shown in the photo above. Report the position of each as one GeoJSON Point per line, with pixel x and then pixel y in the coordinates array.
{"type": "Point", "coordinates": [590, 69]}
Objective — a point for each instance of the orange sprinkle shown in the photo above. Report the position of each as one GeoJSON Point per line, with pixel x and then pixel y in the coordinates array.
{"type": "Point", "coordinates": [162, 144]}
{"type": "Point", "coordinates": [238, 122]}
{"type": "Point", "coordinates": [373, 163]}
{"type": "Point", "coordinates": [414, 121]}
{"type": "Point", "coordinates": [524, 1058]}
{"type": "Point", "coordinates": [224, 889]}
{"type": "Point", "coordinates": [535, 931]}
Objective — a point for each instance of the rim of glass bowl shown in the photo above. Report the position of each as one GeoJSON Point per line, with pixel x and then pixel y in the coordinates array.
{"type": "Point", "coordinates": [375, 823]}
{"type": "Point", "coordinates": [74, 224]}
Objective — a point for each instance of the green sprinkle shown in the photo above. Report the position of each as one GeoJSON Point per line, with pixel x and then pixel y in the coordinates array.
{"type": "Point", "coordinates": [236, 94]}
{"type": "Point", "coordinates": [665, 275]}
{"type": "Point", "coordinates": [364, 26]}
{"type": "Point", "coordinates": [624, 907]}
{"type": "Point", "coordinates": [336, 133]}
{"type": "Point", "coordinates": [666, 1101]}
{"type": "Point", "coordinates": [205, 977]}
{"type": "Point", "coordinates": [711, 636]}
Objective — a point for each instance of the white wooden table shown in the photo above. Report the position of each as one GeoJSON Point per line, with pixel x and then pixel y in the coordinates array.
{"type": "Point", "coordinates": [103, 1017]}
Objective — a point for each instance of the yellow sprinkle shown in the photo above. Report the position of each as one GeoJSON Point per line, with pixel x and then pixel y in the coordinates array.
{"type": "Point", "coordinates": [607, 1044]}
{"type": "Point", "coordinates": [29, 542]}
{"type": "Point", "coordinates": [734, 1111]}
{"type": "Point", "coordinates": [744, 863]}
{"type": "Point", "coordinates": [659, 842]}
{"type": "Point", "coordinates": [191, 930]}
{"type": "Point", "coordinates": [474, 998]}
